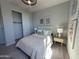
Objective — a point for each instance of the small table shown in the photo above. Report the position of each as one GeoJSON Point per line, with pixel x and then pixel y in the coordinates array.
{"type": "Point", "coordinates": [60, 40]}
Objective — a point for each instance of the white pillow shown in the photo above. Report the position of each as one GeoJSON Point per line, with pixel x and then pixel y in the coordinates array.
{"type": "Point", "coordinates": [39, 31]}
{"type": "Point", "coordinates": [45, 32]}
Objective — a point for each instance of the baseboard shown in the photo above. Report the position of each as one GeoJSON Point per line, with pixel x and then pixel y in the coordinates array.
{"type": "Point", "coordinates": [2, 43]}
{"type": "Point", "coordinates": [10, 43]}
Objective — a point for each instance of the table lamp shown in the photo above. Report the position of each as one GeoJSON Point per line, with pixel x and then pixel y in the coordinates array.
{"type": "Point", "coordinates": [60, 31]}
{"type": "Point", "coordinates": [35, 29]}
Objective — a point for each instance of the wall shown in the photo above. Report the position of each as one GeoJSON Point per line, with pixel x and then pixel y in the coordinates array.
{"type": "Point", "coordinates": [58, 16]}
{"type": "Point", "coordinates": [74, 53]}
{"type": "Point", "coordinates": [2, 36]}
{"type": "Point", "coordinates": [6, 8]}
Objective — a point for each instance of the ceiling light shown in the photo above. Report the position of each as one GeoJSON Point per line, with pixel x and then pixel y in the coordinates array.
{"type": "Point", "coordinates": [29, 2]}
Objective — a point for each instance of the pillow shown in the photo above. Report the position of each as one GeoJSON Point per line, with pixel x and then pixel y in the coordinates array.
{"type": "Point", "coordinates": [40, 32]}
{"type": "Point", "coordinates": [45, 32]}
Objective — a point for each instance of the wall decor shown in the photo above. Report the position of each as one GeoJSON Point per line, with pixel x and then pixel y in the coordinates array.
{"type": "Point", "coordinates": [41, 21]}
{"type": "Point", "coordinates": [74, 4]}
{"type": "Point", "coordinates": [47, 22]}
{"type": "Point", "coordinates": [72, 32]}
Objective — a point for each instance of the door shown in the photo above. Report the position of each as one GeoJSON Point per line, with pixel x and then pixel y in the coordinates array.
{"type": "Point", "coordinates": [2, 36]}
{"type": "Point", "coordinates": [17, 22]}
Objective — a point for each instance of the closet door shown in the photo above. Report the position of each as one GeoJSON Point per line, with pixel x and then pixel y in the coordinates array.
{"type": "Point", "coordinates": [17, 22]}
{"type": "Point", "coordinates": [2, 36]}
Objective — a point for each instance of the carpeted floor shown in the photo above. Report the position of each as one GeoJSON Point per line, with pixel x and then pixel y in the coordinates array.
{"type": "Point", "coordinates": [11, 52]}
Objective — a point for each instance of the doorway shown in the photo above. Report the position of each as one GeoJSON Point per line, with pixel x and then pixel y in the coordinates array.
{"type": "Point", "coordinates": [17, 24]}
{"type": "Point", "coordinates": [2, 35]}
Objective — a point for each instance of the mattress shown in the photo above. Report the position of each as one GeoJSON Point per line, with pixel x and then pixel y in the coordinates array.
{"type": "Point", "coordinates": [35, 45]}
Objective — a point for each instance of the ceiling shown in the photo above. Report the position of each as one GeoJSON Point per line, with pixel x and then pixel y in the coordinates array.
{"type": "Point", "coordinates": [41, 4]}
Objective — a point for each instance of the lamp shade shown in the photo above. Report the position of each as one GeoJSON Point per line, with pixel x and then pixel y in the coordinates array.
{"type": "Point", "coordinates": [35, 29]}
{"type": "Point", "coordinates": [60, 30]}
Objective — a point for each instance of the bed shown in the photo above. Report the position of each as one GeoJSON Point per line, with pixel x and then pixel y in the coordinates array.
{"type": "Point", "coordinates": [36, 46]}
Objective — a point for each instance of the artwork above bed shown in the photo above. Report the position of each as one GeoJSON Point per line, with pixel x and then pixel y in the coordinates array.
{"type": "Point", "coordinates": [45, 21]}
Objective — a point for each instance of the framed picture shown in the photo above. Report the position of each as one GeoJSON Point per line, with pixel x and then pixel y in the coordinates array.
{"type": "Point", "coordinates": [47, 22]}
{"type": "Point", "coordinates": [72, 33]}
{"type": "Point", "coordinates": [41, 21]}
{"type": "Point", "coordinates": [74, 4]}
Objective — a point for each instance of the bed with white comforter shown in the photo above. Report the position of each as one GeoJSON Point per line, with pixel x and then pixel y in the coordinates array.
{"type": "Point", "coordinates": [36, 46]}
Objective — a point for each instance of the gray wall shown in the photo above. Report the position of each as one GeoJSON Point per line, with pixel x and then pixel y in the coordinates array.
{"type": "Point", "coordinates": [58, 15]}
{"type": "Point", "coordinates": [6, 9]}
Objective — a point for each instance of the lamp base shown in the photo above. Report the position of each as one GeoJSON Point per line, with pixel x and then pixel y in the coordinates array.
{"type": "Point", "coordinates": [59, 35]}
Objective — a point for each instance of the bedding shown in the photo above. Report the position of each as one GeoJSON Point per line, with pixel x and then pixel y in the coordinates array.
{"type": "Point", "coordinates": [35, 45]}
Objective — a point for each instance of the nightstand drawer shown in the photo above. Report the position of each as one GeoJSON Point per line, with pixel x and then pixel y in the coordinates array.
{"type": "Point", "coordinates": [59, 40]}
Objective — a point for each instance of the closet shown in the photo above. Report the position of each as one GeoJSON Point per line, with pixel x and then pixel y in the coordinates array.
{"type": "Point", "coordinates": [17, 24]}
{"type": "Point", "coordinates": [2, 36]}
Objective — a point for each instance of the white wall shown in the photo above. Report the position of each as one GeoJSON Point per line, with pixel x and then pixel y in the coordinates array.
{"type": "Point", "coordinates": [58, 16]}
{"type": "Point", "coordinates": [74, 53]}
{"type": "Point", "coordinates": [6, 8]}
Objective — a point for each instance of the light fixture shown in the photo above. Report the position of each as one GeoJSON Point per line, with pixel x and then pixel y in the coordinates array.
{"type": "Point", "coordinates": [35, 29]}
{"type": "Point", "coordinates": [29, 2]}
{"type": "Point", "coordinates": [60, 31]}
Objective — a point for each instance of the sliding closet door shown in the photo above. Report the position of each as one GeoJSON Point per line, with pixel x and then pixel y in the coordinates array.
{"type": "Point", "coordinates": [2, 36]}
{"type": "Point", "coordinates": [17, 22]}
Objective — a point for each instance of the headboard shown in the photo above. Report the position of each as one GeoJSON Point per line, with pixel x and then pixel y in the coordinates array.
{"type": "Point", "coordinates": [45, 29]}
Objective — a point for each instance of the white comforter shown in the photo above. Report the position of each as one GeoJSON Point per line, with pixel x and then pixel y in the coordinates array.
{"type": "Point", "coordinates": [34, 45]}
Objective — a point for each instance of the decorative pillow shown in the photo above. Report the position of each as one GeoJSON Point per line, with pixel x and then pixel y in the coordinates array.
{"type": "Point", "coordinates": [40, 32]}
{"type": "Point", "coordinates": [45, 32]}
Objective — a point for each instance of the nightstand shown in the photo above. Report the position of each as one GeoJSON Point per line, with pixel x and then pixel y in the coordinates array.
{"type": "Point", "coordinates": [60, 40]}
